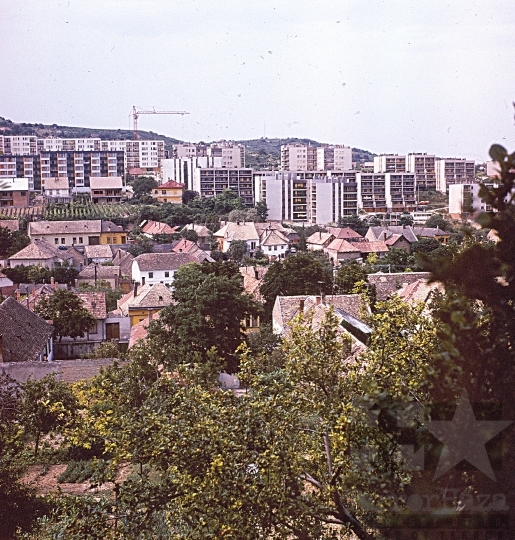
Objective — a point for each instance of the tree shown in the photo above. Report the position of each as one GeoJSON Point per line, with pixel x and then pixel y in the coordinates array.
{"type": "Point", "coordinates": [65, 273]}
{"type": "Point", "coordinates": [112, 295]}
{"type": "Point", "coordinates": [48, 405]}
{"type": "Point", "coordinates": [209, 309]}
{"type": "Point", "coordinates": [354, 223]}
{"type": "Point", "coordinates": [189, 234]}
{"type": "Point", "coordinates": [237, 249]}
{"type": "Point", "coordinates": [143, 186]}
{"type": "Point", "coordinates": [262, 211]}
{"type": "Point", "coordinates": [67, 313]}
{"type": "Point", "coordinates": [189, 196]}
{"type": "Point", "coordinates": [425, 245]}
{"type": "Point", "coordinates": [348, 275]}
{"type": "Point", "coordinates": [406, 219]}
{"type": "Point", "coordinates": [437, 220]}
{"type": "Point", "coordinates": [5, 241]}
{"type": "Point", "coordinates": [306, 273]}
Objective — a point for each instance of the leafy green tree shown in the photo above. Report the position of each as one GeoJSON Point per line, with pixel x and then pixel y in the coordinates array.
{"type": "Point", "coordinates": [5, 241]}
{"type": "Point", "coordinates": [306, 273]}
{"type": "Point", "coordinates": [38, 274]}
{"type": "Point", "coordinates": [227, 201]}
{"type": "Point", "coordinates": [398, 260]}
{"type": "Point", "coordinates": [189, 196]}
{"type": "Point", "coordinates": [237, 249]}
{"type": "Point", "coordinates": [65, 273]}
{"type": "Point", "coordinates": [406, 219]}
{"type": "Point", "coordinates": [437, 220]}
{"type": "Point", "coordinates": [262, 211]}
{"type": "Point", "coordinates": [348, 275]}
{"type": "Point", "coordinates": [67, 313]}
{"type": "Point", "coordinates": [143, 186]}
{"type": "Point", "coordinates": [425, 245]}
{"type": "Point", "coordinates": [209, 310]}
{"type": "Point", "coordinates": [355, 223]}
{"type": "Point", "coordinates": [189, 234]}
{"type": "Point", "coordinates": [48, 405]}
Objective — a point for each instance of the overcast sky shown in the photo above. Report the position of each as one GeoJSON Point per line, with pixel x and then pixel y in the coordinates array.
{"type": "Point", "coordinates": [394, 76]}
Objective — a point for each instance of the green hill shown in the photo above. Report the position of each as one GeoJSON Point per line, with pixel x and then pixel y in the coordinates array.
{"type": "Point", "coordinates": [261, 153]}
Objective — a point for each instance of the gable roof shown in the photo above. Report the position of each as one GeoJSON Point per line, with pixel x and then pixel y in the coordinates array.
{"type": "Point", "coordinates": [171, 184]}
{"type": "Point", "coordinates": [109, 226]}
{"type": "Point", "coordinates": [245, 230]}
{"type": "Point", "coordinates": [148, 262]}
{"type": "Point", "coordinates": [95, 303]}
{"type": "Point", "coordinates": [140, 330]}
{"type": "Point", "coordinates": [373, 247]}
{"type": "Point", "coordinates": [344, 232]}
{"type": "Point", "coordinates": [383, 233]}
{"type": "Point", "coordinates": [147, 297]}
{"type": "Point", "coordinates": [103, 272]}
{"type": "Point", "coordinates": [105, 182]}
{"type": "Point", "coordinates": [387, 284]}
{"type": "Point", "coordinates": [123, 259]}
{"type": "Point", "coordinates": [100, 251]}
{"type": "Point", "coordinates": [11, 224]}
{"type": "Point", "coordinates": [40, 250]}
{"type": "Point", "coordinates": [273, 238]}
{"type": "Point", "coordinates": [24, 334]}
{"type": "Point", "coordinates": [430, 232]}
{"type": "Point", "coordinates": [320, 238]}
{"type": "Point", "coordinates": [156, 227]}
{"type": "Point", "coordinates": [339, 245]}
{"type": "Point", "coordinates": [201, 230]}
{"type": "Point", "coordinates": [91, 226]}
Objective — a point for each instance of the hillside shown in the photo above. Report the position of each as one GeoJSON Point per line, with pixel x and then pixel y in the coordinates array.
{"type": "Point", "coordinates": [261, 153]}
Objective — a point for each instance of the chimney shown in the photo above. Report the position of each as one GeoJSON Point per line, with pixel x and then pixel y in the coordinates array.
{"type": "Point", "coordinates": [301, 305]}
{"type": "Point", "coordinates": [52, 281]}
{"type": "Point", "coordinates": [1, 349]}
{"type": "Point", "coordinates": [150, 315]}
{"type": "Point", "coordinates": [318, 300]}
{"type": "Point", "coordinates": [256, 273]}
{"type": "Point", "coordinates": [135, 289]}
{"type": "Point", "coordinates": [18, 295]}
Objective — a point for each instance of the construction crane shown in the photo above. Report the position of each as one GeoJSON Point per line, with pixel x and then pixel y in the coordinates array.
{"type": "Point", "coordinates": [136, 113]}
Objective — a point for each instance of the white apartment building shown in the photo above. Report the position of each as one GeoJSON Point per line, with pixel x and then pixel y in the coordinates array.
{"type": "Point", "coordinates": [424, 167]}
{"type": "Point", "coordinates": [389, 163]}
{"type": "Point", "coordinates": [21, 167]}
{"type": "Point", "coordinates": [18, 145]}
{"type": "Point", "coordinates": [182, 170]}
{"type": "Point", "coordinates": [210, 182]}
{"type": "Point", "coordinates": [464, 199]}
{"type": "Point", "coordinates": [188, 150]}
{"type": "Point", "coordinates": [307, 196]}
{"type": "Point", "coordinates": [231, 154]}
{"type": "Point", "coordinates": [454, 171]}
{"type": "Point", "coordinates": [298, 157]}
{"type": "Point", "coordinates": [334, 158]}
{"type": "Point", "coordinates": [386, 192]}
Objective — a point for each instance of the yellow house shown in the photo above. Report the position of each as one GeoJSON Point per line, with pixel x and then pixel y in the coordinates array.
{"type": "Point", "coordinates": [112, 234]}
{"type": "Point", "coordinates": [171, 192]}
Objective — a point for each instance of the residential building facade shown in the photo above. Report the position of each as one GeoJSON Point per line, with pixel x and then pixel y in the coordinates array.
{"type": "Point", "coordinates": [170, 192]}
{"type": "Point", "coordinates": [454, 171]}
{"type": "Point", "coordinates": [14, 192]}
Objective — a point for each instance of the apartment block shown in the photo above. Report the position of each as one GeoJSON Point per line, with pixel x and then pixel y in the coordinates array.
{"type": "Point", "coordinates": [21, 166]}
{"type": "Point", "coordinates": [146, 155]}
{"type": "Point", "coordinates": [182, 170]}
{"type": "Point", "coordinates": [454, 171]}
{"type": "Point", "coordinates": [210, 182]}
{"type": "Point", "coordinates": [79, 167]}
{"type": "Point", "coordinates": [424, 168]}
{"type": "Point", "coordinates": [18, 145]}
{"type": "Point", "coordinates": [231, 154]}
{"type": "Point", "coordinates": [334, 158]}
{"type": "Point", "coordinates": [389, 163]}
{"type": "Point", "coordinates": [464, 199]}
{"type": "Point", "coordinates": [298, 157]}
{"type": "Point", "coordinates": [307, 196]}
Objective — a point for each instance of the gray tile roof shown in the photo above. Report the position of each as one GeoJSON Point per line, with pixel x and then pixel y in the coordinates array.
{"type": "Point", "coordinates": [383, 233]}
{"type": "Point", "coordinates": [103, 272]}
{"type": "Point", "coordinates": [24, 334]}
{"type": "Point", "coordinates": [147, 297]}
{"type": "Point", "coordinates": [388, 284]}
{"type": "Point", "coordinates": [163, 261]}
{"type": "Point", "coordinates": [91, 226]}
{"type": "Point", "coordinates": [102, 251]}
{"type": "Point", "coordinates": [40, 250]}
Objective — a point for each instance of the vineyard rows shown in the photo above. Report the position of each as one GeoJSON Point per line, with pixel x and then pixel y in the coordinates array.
{"type": "Point", "coordinates": [72, 211]}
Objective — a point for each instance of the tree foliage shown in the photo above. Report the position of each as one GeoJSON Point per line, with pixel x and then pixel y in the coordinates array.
{"type": "Point", "coordinates": [209, 310]}
{"type": "Point", "coordinates": [67, 313]}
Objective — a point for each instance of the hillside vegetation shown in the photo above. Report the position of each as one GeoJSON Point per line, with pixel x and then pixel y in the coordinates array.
{"type": "Point", "coordinates": [261, 153]}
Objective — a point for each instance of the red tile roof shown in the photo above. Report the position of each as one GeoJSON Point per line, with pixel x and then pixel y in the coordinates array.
{"type": "Point", "coordinates": [171, 184]}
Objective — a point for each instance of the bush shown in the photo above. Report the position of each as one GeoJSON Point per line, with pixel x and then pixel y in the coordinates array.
{"type": "Point", "coordinates": [78, 472]}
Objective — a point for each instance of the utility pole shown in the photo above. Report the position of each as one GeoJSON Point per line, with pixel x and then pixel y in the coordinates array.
{"type": "Point", "coordinates": [136, 112]}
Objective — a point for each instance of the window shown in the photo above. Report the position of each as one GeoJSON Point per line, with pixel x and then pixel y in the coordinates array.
{"type": "Point", "coordinates": [163, 192]}
{"type": "Point", "coordinates": [74, 241]}
{"type": "Point", "coordinates": [80, 240]}
{"type": "Point", "coordinates": [167, 274]}
{"type": "Point", "coordinates": [56, 241]}
{"type": "Point", "coordinates": [150, 275]}
{"type": "Point", "coordinates": [108, 239]}
{"type": "Point", "coordinates": [93, 329]}
{"type": "Point", "coordinates": [63, 241]}
{"type": "Point", "coordinates": [275, 248]}
{"type": "Point", "coordinates": [114, 239]}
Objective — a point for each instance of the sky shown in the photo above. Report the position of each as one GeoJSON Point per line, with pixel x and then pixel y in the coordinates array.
{"type": "Point", "coordinates": [392, 76]}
